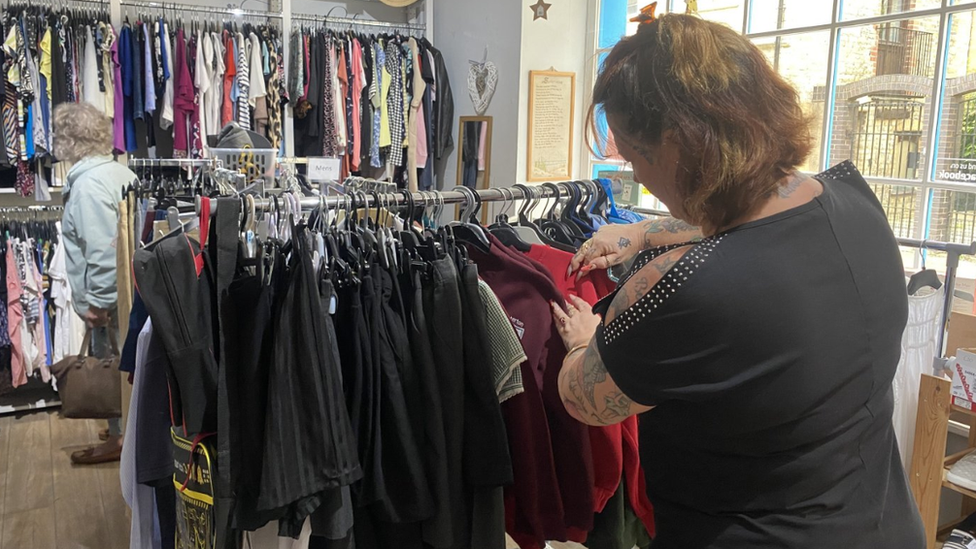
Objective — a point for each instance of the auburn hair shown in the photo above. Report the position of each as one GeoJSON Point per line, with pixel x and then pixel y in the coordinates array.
{"type": "Point", "coordinates": [738, 125]}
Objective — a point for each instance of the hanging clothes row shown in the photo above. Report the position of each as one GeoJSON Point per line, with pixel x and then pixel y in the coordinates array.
{"type": "Point", "coordinates": [187, 79]}
{"type": "Point", "coordinates": [357, 379]}
{"type": "Point", "coordinates": [38, 325]}
{"type": "Point", "coordinates": [49, 56]}
{"type": "Point", "coordinates": [381, 103]}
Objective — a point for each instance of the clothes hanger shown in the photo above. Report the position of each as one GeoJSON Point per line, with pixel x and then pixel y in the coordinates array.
{"type": "Point", "coordinates": [554, 226]}
{"type": "Point", "coordinates": [504, 232]}
{"type": "Point", "coordinates": [527, 230]}
{"type": "Point", "coordinates": [924, 278]}
{"type": "Point", "coordinates": [465, 230]}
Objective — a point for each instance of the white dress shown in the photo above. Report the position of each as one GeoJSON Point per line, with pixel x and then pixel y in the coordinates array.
{"type": "Point", "coordinates": [69, 327]}
{"type": "Point", "coordinates": [918, 349]}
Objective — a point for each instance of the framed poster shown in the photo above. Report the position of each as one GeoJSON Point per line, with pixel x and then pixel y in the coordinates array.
{"type": "Point", "coordinates": [552, 102]}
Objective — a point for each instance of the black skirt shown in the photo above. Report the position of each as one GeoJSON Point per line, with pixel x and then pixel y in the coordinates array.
{"type": "Point", "coordinates": [301, 456]}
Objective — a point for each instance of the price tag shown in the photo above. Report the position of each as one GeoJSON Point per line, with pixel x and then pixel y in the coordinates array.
{"type": "Point", "coordinates": [323, 170]}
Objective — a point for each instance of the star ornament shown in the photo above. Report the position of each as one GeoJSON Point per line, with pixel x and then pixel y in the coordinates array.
{"type": "Point", "coordinates": [540, 10]}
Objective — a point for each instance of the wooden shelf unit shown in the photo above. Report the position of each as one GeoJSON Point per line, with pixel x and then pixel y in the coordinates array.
{"type": "Point", "coordinates": [929, 462]}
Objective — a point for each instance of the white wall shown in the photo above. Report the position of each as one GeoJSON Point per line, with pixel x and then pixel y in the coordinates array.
{"type": "Point", "coordinates": [563, 42]}
{"type": "Point", "coordinates": [462, 29]}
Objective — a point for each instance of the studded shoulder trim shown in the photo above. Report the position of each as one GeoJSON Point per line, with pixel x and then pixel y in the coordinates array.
{"type": "Point", "coordinates": [844, 169]}
{"type": "Point", "coordinates": [646, 257]}
{"type": "Point", "coordinates": [664, 289]}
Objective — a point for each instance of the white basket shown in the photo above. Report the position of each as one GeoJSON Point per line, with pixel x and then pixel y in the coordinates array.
{"type": "Point", "coordinates": [253, 162]}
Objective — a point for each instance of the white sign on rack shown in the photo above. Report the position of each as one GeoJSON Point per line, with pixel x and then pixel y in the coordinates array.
{"type": "Point", "coordinates": [324, 170]}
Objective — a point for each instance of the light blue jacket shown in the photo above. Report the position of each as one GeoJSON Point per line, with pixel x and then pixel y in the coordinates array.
{"type": "Point", "coordinates": [90, 228]}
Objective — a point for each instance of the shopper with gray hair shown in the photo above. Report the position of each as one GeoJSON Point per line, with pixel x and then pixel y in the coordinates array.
{"type": "Point", "coordinates": [83, 139]}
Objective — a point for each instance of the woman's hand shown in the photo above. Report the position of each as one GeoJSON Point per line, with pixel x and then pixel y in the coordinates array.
{"type": "Point", "coordinates": [616, 244]}
{"type": "Point", "coordinates": [96, 317]}
{"type": "Point", "coordinates": [610, 245]}
{"type": "Point", "coordinates": [577, 323]}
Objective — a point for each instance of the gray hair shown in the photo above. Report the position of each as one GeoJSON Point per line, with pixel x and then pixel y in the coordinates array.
{"type": "Point", "coordinates": [81, 130]}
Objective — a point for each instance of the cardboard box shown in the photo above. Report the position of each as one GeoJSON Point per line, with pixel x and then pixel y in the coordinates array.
{"type": "Point", "coordinates": [962, 333]}
{"type": "Point", "coordinates": [964, 379]}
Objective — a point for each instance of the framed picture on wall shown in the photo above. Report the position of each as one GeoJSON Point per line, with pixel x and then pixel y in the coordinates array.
{"type": "Point", "coordinates": [552, 104]}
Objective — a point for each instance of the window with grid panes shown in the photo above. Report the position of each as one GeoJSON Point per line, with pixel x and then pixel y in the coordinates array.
{"type": "Point", "coordinates": [889, 84]}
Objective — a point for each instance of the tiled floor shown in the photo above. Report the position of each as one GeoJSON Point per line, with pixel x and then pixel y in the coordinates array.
{"type": "Point", "coordinates": [45, 501]}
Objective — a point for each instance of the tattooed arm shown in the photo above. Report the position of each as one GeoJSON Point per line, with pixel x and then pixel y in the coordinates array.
{"type": "Point", "coordinates": [667, 230]}
{"type": "Point", "coordinates": [617, 244]}
{"type": "Point", "coordinates": [588, 392]}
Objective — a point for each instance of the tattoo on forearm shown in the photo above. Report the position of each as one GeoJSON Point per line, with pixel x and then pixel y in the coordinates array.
{"type": "Point", "coordinates": [668, 225]}
{"type": "Point", "coordinates": [623, 243]}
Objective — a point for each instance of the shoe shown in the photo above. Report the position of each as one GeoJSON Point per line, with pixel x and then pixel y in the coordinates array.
{"type": "Point", "coordinates": [103, 434]}
{"type": "Point", "coordinates": [963, 472]}
{"type": "Point", "coordinates": [960, 540]}
{"type": "Point", "coordinates": [104, 453]}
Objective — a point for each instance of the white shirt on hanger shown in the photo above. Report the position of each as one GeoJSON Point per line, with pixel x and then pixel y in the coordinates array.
{"type": "Point", "coordinates": [215, 99]}
{"type": "Point", "coordinates": [258, 87]}
{"type": "Point", "coordinates": [89, 80]}
{"type": "Point", "coordinates": [203, 79]}
{"type": "Point", "coordinates": [167, 116]}
{"type": "Point", "coordinates": [144, 527]}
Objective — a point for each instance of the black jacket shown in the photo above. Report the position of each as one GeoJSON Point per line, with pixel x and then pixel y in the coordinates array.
{"type": "Point", "coordinates": [443, 106]}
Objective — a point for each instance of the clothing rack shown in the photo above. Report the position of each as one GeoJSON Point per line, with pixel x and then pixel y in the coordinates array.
{"type": "Point", "coordinates": [33, 208]}
{"type": "Point", "coordinates": [174, 6]}
{"type": "Point", "coordinates": [32, 396]}
{"type": "Point", "coordinates": [432, 198]}
{"type": "Point", "coordinates": [953, 252]}
{"type": "Point", "coordinates": [57, 4]}
{"type": "Point", "coordinates": [190, 163]}
{"type": "Point", "coordinates": [173, 162]}
{"type": "Point", "coordinates": [357, 22]}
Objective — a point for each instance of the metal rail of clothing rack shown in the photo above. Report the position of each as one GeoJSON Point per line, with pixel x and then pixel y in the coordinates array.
{"type": "Point", "coordinates": [328, 19]}
{"type": "Point", "coordinates": [368, 199]}
{"type": "Point", "coordinates": [189, 163]}
{"type": "Point", "coordinates": [175, 6]}
{"type": "Point", "coordinates": [953, 253]}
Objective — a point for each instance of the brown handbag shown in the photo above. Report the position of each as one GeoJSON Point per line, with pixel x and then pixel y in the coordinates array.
{"type": "Point", "coordinates": [89, 387]}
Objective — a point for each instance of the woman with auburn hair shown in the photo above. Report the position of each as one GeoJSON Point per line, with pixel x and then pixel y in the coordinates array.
{"type": "Point", "coordinates": [83, 139]}
{"type": "Point", "coordinates": [757, 332]}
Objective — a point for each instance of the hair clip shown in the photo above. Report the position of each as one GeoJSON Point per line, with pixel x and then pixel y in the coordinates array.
{"type": "Point", "coordinates": [646, 14]}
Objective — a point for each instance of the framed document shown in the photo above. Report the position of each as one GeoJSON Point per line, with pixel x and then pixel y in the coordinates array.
{"type": "Point", "coordinates": [552, 101]}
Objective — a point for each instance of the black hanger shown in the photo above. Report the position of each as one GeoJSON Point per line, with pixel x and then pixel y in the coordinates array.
{"type": "Point", "coordinates": [924, 278]}
{"type": "Point", "coordinates": [557, 230]}
{"type": "Point", "coordinates": [525, 222]}
{"type": "Point", "coordinates": [504, 232]}
{"type": "Point", "coordinates": [465, 230]}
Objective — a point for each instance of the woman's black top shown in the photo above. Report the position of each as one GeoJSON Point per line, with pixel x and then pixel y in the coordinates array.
{"type": "Point", "coordinates": [768, 352]}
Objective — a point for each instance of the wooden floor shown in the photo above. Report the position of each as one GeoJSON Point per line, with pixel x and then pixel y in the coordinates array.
{"type": "Point", "coordinates": [48, 503]}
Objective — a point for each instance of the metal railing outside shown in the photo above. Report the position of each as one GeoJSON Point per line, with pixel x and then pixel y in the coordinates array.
{"type": "Point", "coordinates": [887, 136]}
{"type": "Point", "coordinates": [901, 205]}
{"type": "Point", "coordinates": [903, 51]}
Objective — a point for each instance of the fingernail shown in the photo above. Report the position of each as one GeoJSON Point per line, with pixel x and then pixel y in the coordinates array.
{"type": "Point", "coordinates": [569, 270]}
